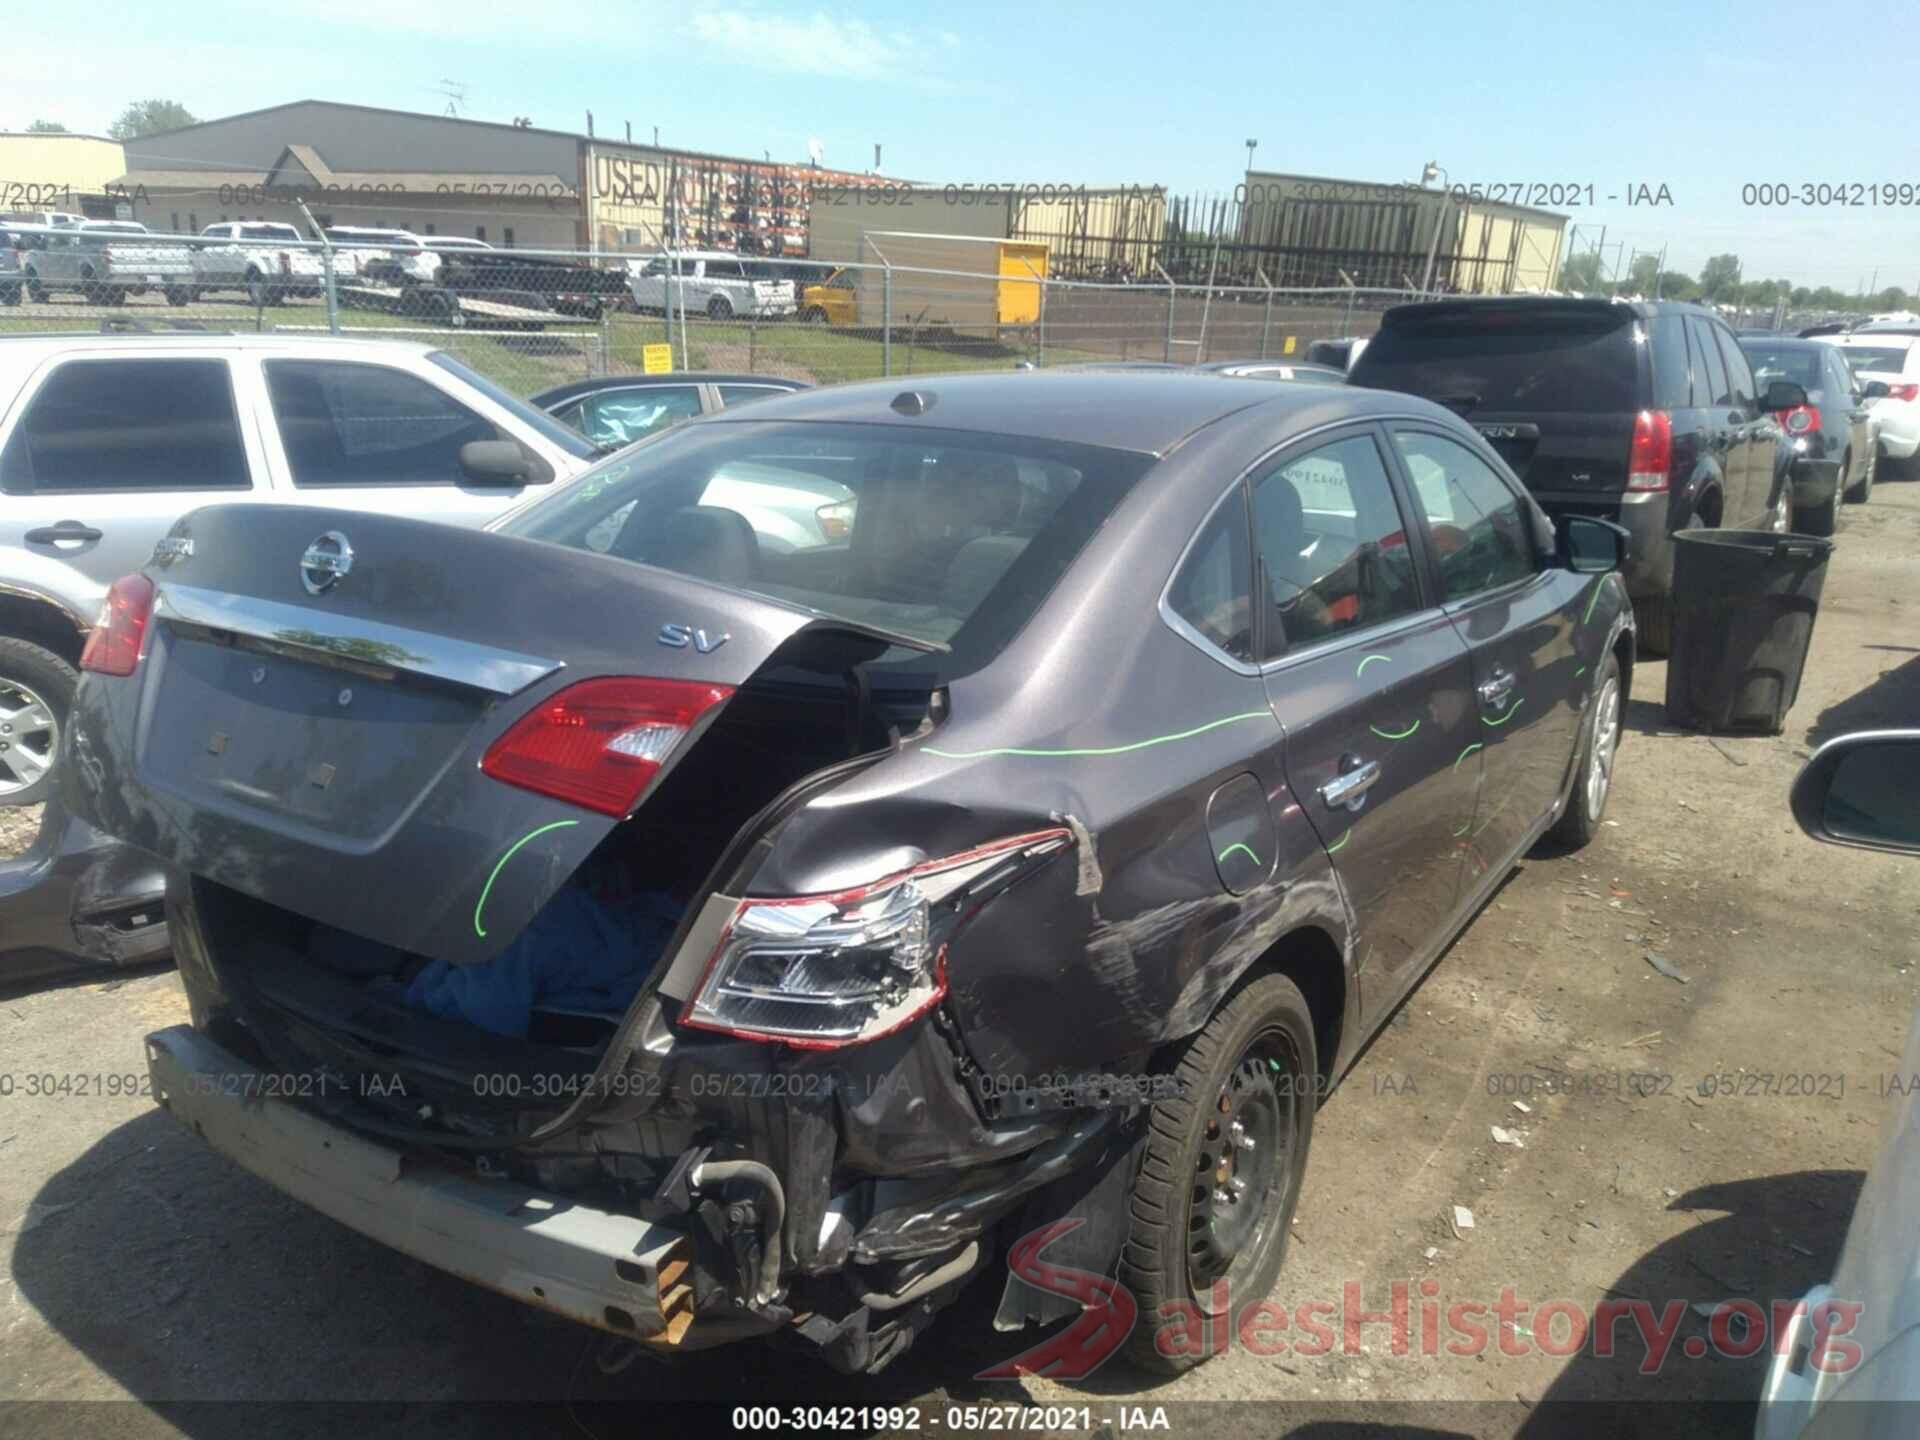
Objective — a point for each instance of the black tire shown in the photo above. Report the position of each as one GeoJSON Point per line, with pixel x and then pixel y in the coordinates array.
{"type": "Point", "coordinates": [115, 294]}
{"type": "Point", "coordinates": [178, 295]}
{"type": "Point", "coordinates": [24, 665]}
{"type": "Point", "coordinates": [719, 308]}
{"type": "Point", "coordinates": [10, 294]}
{"type": "Point", "coordinates": [256, 290]}
{"type": "Point", "coordinates": [36, 292]}
{"type": "Point", "coordinates": [1861, 490]}
{"type": "Point", "coordinates": [1257, 1044]}
{"type": "Point", "coordinates": [1580, 821]}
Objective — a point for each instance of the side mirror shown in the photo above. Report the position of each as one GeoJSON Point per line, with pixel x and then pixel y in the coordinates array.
{"type": "Point", "coordinates": [1875, 390]}
{"type": "Point", "coordinates": [1863, 790]}
{"type": "Point", "coordinates": [501, 462]}
{"type": "Point", "coordinates": [1591, 547]}
{"type": "Point", "coordinates": [1783, 395]}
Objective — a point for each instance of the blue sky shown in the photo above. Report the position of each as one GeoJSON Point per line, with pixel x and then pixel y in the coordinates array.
{"type": "Point", "coordinates": [1615, 96]}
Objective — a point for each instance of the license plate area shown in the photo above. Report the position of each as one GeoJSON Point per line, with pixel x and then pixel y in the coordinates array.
{"type": "Point", "coordinates": [332, 749]}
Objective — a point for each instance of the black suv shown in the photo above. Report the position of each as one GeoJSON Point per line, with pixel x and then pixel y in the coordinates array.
{"type": "Point", "coordinates": [1642, 413]}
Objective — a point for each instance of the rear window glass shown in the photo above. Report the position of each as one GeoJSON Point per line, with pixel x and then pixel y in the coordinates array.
{"type": "Point", "coordinates": [948, 537]}
{"type": "Point", "coordinates": [1672, 386]}
{"type": "Point", "coordinates": [1508, 363]}
{"type": "Point", "coordinates": [1798, 363]}
{"type": "Point", "coordinates": [1876, 357]}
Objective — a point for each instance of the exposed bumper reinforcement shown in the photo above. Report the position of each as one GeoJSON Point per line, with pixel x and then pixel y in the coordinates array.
{"type": "Point", "coordinates": [617, 1273]}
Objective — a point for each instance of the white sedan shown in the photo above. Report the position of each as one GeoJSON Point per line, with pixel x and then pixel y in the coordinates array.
{"type": "Point", "coordinates": [1888, 366]}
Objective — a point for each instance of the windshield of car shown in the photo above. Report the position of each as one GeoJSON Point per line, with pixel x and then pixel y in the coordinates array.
{"type": "Point", "coordinates": [1508, 362]}
{"type": "Point", "coordinates": [1876, 357]}
{"type": "Point", "coordinates": [268, 232]}
{"type": "Point", "coordinates": [952, 538]}
{"type": "Point", "coordinates": [571, 441]}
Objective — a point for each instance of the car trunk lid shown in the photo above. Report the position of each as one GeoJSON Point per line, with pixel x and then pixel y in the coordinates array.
{"type": "Point", "coordinates": [321, 688]}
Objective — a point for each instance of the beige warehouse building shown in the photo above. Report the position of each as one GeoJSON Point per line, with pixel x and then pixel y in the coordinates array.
{"type": "Point", "coordinates": [59, 172]}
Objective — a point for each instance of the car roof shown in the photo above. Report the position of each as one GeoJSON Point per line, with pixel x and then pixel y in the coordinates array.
{"type": "Point", "coordinates": [1880, 340]}
{"type": "Point", "coordinates": [1547, 306]}
{"type": "Point", "coordinates": [203, 340]}
{"type": "Point", "coordinates": [572, 388]}
{"type": "Point", "coordinates": [1145, 411]}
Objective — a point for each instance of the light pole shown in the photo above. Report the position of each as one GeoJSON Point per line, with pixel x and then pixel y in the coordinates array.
{"type": "Point", "coordinates": [1430, 172]}
{"type": "Point", "coordinates": [1250, 148]}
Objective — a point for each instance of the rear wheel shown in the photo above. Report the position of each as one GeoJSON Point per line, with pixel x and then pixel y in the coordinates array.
{"type": "Point", "coordinates": [1221, 1167]}
{"type": "Point", "coordinates": [179, 295]}
{"type": "Point", "coordinates": [36, 692]}
{"type": "Point", "coordinates": [36, 292]}
{"type": "Point", "coordinates": [10, 295]}
{"type": "Point", "coordinates": [719, 308]}
{"type": "Point", "coordinates": [1593, 765]}
{"type": "Point", "coordinates": [256, 290]}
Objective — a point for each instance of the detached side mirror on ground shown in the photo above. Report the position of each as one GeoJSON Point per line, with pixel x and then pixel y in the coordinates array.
{"type": "Point", "coordinates": [501, 462]}
{"type": "Point", "coordinates": [1863, 790]}
{"type": "Point", "coordinates": [1783, 395]}
{"type": "Point", "coordinates": [1591, 547]}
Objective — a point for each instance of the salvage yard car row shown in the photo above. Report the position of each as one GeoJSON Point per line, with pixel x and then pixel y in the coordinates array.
{"type": "Point", "coordinates": [799, 742]}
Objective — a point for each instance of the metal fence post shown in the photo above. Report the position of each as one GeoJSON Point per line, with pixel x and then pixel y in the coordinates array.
{"type": "Point", "coordinates": [1167, 352]}
{"type": "Point", "coordinates": [329, 281]}
{"type": "Point", "coordinates": [1266, 320]}
{"type": "Point", "coordinates": [1040, 355]}
{"type": "Point", "coordinates": [886, 317]}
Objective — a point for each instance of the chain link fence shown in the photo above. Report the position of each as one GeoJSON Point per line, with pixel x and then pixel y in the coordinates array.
{"type": "Point", "coordinates": [535, 319]}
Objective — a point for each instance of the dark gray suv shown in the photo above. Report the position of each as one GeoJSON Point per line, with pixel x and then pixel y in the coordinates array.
{"type": "Point", "coordinates": [1642, 413]}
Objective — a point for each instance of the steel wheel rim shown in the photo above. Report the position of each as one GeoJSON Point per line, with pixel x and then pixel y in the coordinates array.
{"type": "Point", "coordinates": [29, 737]}
{"type": "Point", "coordinates": [1244, 1167]}
{"type": "Point", "coordinates": [1606, 734]}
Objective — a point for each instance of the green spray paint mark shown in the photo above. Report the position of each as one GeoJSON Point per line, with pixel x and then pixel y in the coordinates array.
{"type": "Point", "coordinates": [1466, 752]}
{"type": "Point", "coordinates": [1341, 843]}
{"type": "Point", "coordinates": [1100, 750]}
{"type": "Point", "coordinates": [1388, 659]}
{"type": "Point", "coordinates": [1464, 828]}
{"type": "Point", "coordinates": [487, 889]}
{"type": "Point", "coordinates": [1231, 848]}
{"type": "Point", "coordinates": [1506, 717]}
{"type": "Point", "coordinates": [1593, 599]}
{"type": "Point", "coordinates": [1581, 671]}
{"type": "Point", "coordinates": [1389, 735]}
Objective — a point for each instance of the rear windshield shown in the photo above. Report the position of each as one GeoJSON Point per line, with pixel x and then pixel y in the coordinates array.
{"type": "Point", "coordinates": [1798, 363]}
{"type": "Point", "coordinates": [1876, 357]}
{"type": "Point", "coordinates": [1507, 362]}
{"type": "Point", "coordinates": [951, 538]}
{"type": "Point", "coordinates": [569, 440]}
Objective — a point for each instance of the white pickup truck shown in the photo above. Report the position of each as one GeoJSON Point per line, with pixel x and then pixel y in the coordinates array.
{"type": "Point", "coordinates": [108, 260]}
{"type": "Point", "coordinates": [717, 282]}
{"type": "Point", "coordinates": [268, 261]}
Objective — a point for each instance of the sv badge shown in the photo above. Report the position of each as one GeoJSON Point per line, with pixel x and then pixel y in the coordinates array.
{"type": "Point", "coordinates": [681, 636]}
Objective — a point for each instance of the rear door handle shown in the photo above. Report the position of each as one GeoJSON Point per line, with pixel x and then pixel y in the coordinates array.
{"type": "Point", "coordinates": [65, 530]}
{"type": "Point", "coordinates": [1350, 788]}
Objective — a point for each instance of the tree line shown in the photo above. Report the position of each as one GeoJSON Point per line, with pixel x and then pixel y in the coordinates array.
{"type": "Point", "coordinates": [1720, 283]}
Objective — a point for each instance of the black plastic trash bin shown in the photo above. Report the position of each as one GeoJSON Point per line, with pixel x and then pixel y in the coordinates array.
{"type": "Point", "coordinates": [1744, 603]}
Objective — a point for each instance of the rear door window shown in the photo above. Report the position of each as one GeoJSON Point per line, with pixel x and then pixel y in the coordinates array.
{"type": "Point", "coordinates": [1739, 376]}
{"type": "Point", "coordinates": [735, 395]}
{"type": "Point", "coordinates": [1509, 361]}
{"type": "Point", "coordinates": [1211, 592]}
{"type": "Point", "coordinates": [352, 424]}
{"type": "Point", "coordinates": [1476, 525]}
{"type": "Point", "coordinates": [102, 425]}
{"type": "Point", "coordinates": [1711, 386]}
{"type": "Point", "coordinates": [1332, 546]}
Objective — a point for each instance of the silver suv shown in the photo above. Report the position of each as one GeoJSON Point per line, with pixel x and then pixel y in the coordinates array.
{"type": "Point", "coordinates": [106, 440]}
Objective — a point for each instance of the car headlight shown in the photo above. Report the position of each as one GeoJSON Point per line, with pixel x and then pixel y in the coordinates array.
{"type": "Point", "coordinates": [821, 971]}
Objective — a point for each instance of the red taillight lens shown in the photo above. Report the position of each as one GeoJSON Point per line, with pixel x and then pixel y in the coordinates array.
{"type": "Point", "coordinates": [1801, 420]}
{"type": "Point", "coordinates": [599, 744]}
{"type": "Point", "coordinates": [113, 645]}
{"type": "Point", "coordinates": [1650, 465]}
{"type": "Point", "coordinates": [1903, 392]}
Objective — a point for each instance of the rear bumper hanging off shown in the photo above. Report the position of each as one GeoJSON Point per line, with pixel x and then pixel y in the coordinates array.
{"type": "Point", "coordinates": [629, 1276]}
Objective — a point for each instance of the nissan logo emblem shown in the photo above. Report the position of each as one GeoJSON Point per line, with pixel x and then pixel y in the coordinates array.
{"type": "Point", "coordinates": [325, 561]}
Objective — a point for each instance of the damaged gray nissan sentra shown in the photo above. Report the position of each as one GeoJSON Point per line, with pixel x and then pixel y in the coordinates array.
{"type": "Point", "coordinates": [706, 934]}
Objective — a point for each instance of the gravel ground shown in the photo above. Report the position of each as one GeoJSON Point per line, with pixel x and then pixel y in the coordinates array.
{"type": "Point", "coordinates": [140, 1267]}
{"type": "Point", "coordinates": [18, 825]}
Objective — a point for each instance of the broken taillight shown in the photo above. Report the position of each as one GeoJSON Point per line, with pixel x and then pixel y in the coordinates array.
{"type": "Point", "coordinates": [113, 645]}
{"type": "Point", "coordinates": [598, 744]}
{"type": "Point", "coordinates": [821, 971]}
